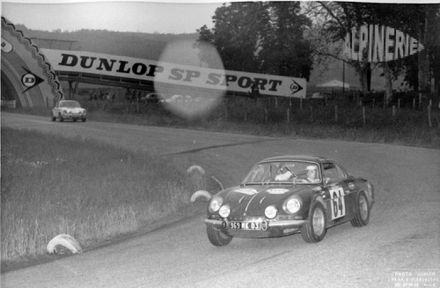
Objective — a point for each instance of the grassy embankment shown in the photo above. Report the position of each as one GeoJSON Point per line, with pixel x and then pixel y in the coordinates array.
{"type": "Point", "coordinates": [312, 119]}
{"type": "Point", "coordinates": [91, 191]}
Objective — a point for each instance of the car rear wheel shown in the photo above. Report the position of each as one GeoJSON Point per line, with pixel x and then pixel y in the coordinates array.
{"type": "Point", "coordinates": [84, 119]}
{"type": "Point", "coordinates": [362, 212]}
{"type": "Point", "coordinates": [217, 237]}
{"type": "Point", "coordinates": [314, 229]}
{"type": "Point", "coordinates": [54, 118]}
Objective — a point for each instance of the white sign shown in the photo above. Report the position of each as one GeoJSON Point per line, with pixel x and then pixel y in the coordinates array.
{"type": "Point", "coordinates": [377, 43]}
{"type": "Point", "coordinates": [142, 69]}
{"type": "Point", "coordinates": [6, 46]}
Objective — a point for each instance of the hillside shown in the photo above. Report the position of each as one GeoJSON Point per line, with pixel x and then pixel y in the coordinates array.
{"type": "Point", "coordinates": [132, 44]}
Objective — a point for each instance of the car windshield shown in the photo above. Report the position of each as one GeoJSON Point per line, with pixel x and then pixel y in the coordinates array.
{"type": "Point", "coordinates": [297, 172]}
{"type": "Point", "coordinates": [70, 104]}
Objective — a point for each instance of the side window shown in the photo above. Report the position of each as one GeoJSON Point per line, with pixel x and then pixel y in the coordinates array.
{"type": "Point", "coordinates": [341, 173]}
{"type": "Point", "coordinates": [331, 173]}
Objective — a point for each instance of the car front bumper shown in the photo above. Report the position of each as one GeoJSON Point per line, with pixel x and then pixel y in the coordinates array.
{"type": "Point", "coordinates": [73, 116]}
{"type": "Point", "coordinates": [272, 228]}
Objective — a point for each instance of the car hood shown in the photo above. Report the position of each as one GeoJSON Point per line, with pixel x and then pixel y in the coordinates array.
{"type": "Point", "coordinates": [253, 200]}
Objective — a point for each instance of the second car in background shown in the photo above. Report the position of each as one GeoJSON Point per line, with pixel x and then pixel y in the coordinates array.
{"type": "Point", "coordinates": [69, 110]}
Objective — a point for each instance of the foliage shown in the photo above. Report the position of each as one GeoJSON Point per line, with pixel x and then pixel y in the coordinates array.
{"type": "Point", "coordinates": [264, 37]}
{"type": "Point", "coordinates": [285, 51]}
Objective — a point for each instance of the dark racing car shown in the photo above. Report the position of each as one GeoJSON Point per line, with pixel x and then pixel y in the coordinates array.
{"type": "Point", "coordinates": [286, 195]}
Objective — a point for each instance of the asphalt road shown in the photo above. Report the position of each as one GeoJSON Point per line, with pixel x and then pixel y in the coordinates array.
{"type": "Point", "coordinates": [400, 246]}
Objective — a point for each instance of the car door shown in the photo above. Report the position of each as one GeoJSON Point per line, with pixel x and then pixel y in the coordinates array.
{"type": "Point", "coordinates": [347, 182]}
{"type": "Point", "coordinates": [339, 196]}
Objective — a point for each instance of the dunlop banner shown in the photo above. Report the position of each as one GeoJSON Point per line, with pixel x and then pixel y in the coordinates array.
{"type": "Point", "coordinates": [377, 43]}
{"type": "Point", "coordinates": [177, 74]}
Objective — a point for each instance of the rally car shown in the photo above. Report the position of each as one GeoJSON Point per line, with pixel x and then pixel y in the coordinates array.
{"type": "Point", "coordinates": [68, 110]}
{"type": "Point", "coordinates": [285, 195]}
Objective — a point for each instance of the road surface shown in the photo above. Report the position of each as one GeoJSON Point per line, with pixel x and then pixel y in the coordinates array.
{"type": "Point", "coordinates": [399, 247]}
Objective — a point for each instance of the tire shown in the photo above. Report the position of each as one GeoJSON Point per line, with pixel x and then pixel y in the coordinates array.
{"type": "Point", "coordinates": [315, 228]}
{"type": "Point", "coordinates": [362, 210]}
{"type": "Point", "coordinates": [61, 118]}
{"type": "Point", "coordinates": [54, 118]}
{"type": "Point", "coordinates": [74, 119]}
{"type": "Point", "coordinates": [84, 119]}
{"type": "Point", "coordinates": [217, 237]}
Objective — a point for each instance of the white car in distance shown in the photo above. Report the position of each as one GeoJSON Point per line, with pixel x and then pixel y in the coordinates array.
{"type": "Point", "coordinates": [69, 110]}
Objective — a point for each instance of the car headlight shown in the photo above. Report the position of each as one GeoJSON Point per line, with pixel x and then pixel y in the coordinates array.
{"type": "Point", "coordinates": [224, 211]}
{"type": "Point", "coordinates": [292, 205]}
{"type": "Point", "coordinates": [270, 212]}
{"type": "Point", "coordinates": [215, 204]}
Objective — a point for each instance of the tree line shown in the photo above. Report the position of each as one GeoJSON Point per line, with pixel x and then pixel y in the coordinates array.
{"type": "Point", "coordinates": [288, 38]}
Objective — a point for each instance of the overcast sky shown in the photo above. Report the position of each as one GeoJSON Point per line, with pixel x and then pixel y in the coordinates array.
{"type": "Point", "coordinates": [170, 16]}
{"type": "Point", "coordinates": [140, 16]}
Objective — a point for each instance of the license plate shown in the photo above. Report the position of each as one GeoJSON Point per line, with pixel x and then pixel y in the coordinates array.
{"type": "Point", "coordinates": [248, 225]}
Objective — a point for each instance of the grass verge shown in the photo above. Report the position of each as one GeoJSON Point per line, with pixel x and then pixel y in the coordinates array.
{"type": "Point", "coordinates": [94, 192]}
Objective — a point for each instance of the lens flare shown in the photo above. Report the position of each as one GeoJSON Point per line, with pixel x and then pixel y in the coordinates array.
{"type": "Point", "coordinates": [189, 98]}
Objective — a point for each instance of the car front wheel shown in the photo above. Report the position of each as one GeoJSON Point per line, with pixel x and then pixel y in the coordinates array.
{"type": "Point", "coordinates": [362, 212]}
{"type": "Point", "coordinates": [217, 237]}
{"type": "Point", "coordinates": [315, 229]}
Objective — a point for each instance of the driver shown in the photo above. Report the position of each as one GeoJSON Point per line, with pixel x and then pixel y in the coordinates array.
{"type": "Point", "coordinates": [284, 174]}
{"type": "Point", "coordinates": [312, 174]}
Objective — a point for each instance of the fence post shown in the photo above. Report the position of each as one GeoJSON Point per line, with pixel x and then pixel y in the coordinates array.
{"type": "Point", "coordinates": [364, 117]}
{"type": "Point", "coordinates": [414, 103]}
{"type": "Point", "coordinates": [429, 114]}
{"type": "Point", "coordinates": [226, 112]}
{"type": "Point", "coordinates": [394, 111]}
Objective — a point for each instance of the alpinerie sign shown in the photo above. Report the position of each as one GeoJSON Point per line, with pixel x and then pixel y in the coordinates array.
{"type": "Point", "coordinates": [143, 69]}
{"type": "Point", "coordinates": [378, 43]}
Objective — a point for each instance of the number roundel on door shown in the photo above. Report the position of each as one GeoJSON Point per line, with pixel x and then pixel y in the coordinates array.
{"type": "Point", "coordinates": [337, 202]}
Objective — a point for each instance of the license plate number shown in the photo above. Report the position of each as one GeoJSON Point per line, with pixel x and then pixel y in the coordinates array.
{"type": "Point", "coordinates": [248, 225]}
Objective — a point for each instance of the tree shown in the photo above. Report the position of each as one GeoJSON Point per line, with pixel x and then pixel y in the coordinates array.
{"type": "Point", "coordinates": [265, 37]}
{"type": "Point", "coordinates": [284, 50]}
{"type": "Point", "coordinates": [237, 33]}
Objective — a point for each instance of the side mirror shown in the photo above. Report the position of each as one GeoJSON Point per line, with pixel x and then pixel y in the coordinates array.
{"type": "Point", "coordinates": [326, 180]}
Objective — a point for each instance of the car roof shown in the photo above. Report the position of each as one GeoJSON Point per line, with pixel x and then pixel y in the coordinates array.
{"type": "Point", "coordinates": [319, 159]}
